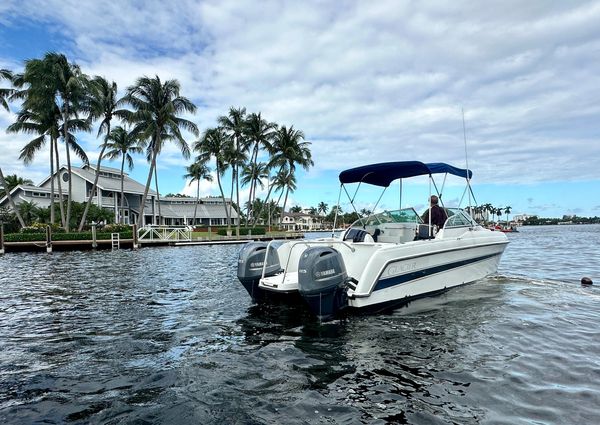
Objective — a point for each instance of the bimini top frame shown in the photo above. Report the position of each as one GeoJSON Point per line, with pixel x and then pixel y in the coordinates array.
{"type": "Point", "coordinates": [383, 174]}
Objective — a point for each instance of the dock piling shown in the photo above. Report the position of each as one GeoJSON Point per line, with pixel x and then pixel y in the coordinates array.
{"type": "Point", "coordinates": [135, 236]}
{"type": "Point", "coordinates": [48, 239]}
{"type": "Point", "coordinates": [1, 238]}
{"type": "Point", "coordinates": [94, 243]}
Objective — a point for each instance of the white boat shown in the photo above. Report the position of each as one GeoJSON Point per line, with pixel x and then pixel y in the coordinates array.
{"type": "Point", "coordinates": [381, 260]}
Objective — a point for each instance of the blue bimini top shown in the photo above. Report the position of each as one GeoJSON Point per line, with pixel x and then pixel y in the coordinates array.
{"type": "Point", "coordinates": [384, 173]}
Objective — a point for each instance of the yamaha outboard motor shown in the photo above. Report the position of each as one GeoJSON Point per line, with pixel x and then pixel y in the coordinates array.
{"type": "Point", "coordinates": [250, 266]}
{"type": "Point", "coordinates": [322, 280]}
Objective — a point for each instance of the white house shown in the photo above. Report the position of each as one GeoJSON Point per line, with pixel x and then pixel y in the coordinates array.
{"type": "Point", "coordinates": [209, 211]}
{"type": "Point", "coordinates": [301, 221]}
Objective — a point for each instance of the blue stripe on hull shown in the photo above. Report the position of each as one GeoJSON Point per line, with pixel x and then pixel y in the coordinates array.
{"type": "Point", "coordinates": [398, 280]}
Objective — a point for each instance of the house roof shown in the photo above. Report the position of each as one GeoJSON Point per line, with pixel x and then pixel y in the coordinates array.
{"type": "Point", "coordinates": [92, 167]}
{"type": "Point", "coordinates": [107, 183]}
{"type": "Point", "coordinates": [28, 187]}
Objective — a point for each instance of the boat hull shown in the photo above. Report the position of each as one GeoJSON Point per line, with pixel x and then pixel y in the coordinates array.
{"type": "Point", "coordinates": [409, 278]}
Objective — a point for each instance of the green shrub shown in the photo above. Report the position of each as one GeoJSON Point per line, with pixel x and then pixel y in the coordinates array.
{"type": "Point", "coordinates": [245, 231]}
{"type": "Point", "coordinates": [116, 228]}
{"type": "Point", "coordinates": [24, 237]}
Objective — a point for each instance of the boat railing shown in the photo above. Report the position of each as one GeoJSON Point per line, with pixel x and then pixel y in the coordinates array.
{"type": "Point", "coordinates": [293, 245]}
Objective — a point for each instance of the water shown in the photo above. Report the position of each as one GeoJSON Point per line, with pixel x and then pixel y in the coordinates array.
{"type": "Point", "coordinates": [167, 335]}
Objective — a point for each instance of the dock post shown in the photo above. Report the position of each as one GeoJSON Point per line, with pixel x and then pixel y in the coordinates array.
{"type": "Point", "coordinates": [135, 237]}
{"type": "Point", "coordinates": [1, 238]}
{"type": "Point", "coordinates": [94, 243]}
{"type": "Point", "coordinates": [209, 233]}
{"type": "Point", "coordinates": [48, 239]}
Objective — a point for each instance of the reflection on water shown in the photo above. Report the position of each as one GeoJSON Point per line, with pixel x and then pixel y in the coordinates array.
{"type": "Point", "coordinates": [167, 335]}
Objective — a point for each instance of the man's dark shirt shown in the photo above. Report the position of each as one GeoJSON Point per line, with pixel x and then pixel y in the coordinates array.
{"type": "Point", "coordinates": [438, 216]}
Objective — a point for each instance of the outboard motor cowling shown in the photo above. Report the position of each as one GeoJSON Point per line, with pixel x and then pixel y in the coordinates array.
{"type": "Point", "coordinates": [251, 260]}
{"type": "Point", "coordinates": [322, 280]}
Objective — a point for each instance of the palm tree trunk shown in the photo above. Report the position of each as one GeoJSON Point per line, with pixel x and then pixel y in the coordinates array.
{"type": "Point", "coordinates": [277, 203]}
{"type": "Point", "coordinates": [287, 191]}
{"type": "Point", "coordinates": [89, 201]}
{"type": "Point", "coordinates": [10, 200]}
{"type": "Point", "coordinates": [259, 212]}
{"type": "Point", "coordinates": [197, 201]}
{"type": "Point", "coordinates": [60, 193]}
{"type": "Point", "coordinates": [52, 215]}
{"type": "Point", "coordinates": [122, 189]}
{"type": "Point", "coordinates": [231, 197]}
{"type": "Point", "coordinates": [147, 188]}
{"type": "Point", "coordinates": [160, 220]}
{"type": "Point", "coordinates": [222, 195]}
{"type": "Point", "coordinates": [69, 183]}
{"type": "Point", "coordinates": [237, 194]}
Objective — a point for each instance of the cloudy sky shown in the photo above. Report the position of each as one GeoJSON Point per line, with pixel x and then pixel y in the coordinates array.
{"type": "Point", "coordinates": [366, 82]}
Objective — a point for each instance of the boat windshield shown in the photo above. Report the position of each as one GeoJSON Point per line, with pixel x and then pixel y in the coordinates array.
{"type": "Point", "coordinates": [458, 218]}
{"type": "Point", "coordinates": [405, 215]}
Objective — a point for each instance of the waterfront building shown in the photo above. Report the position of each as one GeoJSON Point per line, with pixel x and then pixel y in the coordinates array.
{"type": "Point", "coordinates": [301, 221]}
{"type": "Point", "coordinates": [173, 210]}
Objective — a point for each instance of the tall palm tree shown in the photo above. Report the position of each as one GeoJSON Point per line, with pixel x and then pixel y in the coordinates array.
{"type": "Point", "coordinates": [53, 83]}
{"type": "Point", "coordinates": [45, 125]}
{"type": "Point", "coordinates": [234, 125]}
{"type": "Point", "coordinates": [215, 143]}
{"type": "Point", "coordinates": [121, 143]}
{"type": "Point", "coordinates": [254, 174]}
{"type": "Point", "coordinates": [197, 171]}
{"type": "Point", "coordinates": [103, 105]}
{"type": "Point", "coordinates": [289, 150]}
{"type": "Point", "coordinates": [259, 135]}
{"type": "Point", "coordinates": [157, 107]}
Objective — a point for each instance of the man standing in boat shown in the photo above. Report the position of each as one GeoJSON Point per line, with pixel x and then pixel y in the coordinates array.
{"type": "Point", "coordinates": [438, 214]}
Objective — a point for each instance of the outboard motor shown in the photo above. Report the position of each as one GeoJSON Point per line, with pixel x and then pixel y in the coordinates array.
{"type": "Point", "coordinates": [321, 280]}
{"type": "Point", "coordinates": [251, 260]}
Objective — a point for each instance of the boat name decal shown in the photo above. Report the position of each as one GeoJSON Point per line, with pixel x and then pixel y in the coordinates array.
{"type": "Point", "coordinates": [398, 268]}
{"type": "Point", "coordinates": [325, 273]}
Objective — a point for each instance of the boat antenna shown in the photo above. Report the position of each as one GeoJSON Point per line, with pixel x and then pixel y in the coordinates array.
{"type": "Point", "coordinates": [466, 156]}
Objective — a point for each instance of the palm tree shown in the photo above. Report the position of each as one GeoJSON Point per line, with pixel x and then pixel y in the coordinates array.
{"type": "Point", "coordinates": [215, 143]}
{"type": "Point", "coordinates": [197, 172]}
{"type": "Point", "coordinates": [12, 181]}
{"type": "Point", "coordinates": [253, 175]}
{"type": "Point", "coordinates": [157, 107]}
{"type": "Point", "coordinates": [45, 125]}
{"type": "Point", "coordinates": [121, 143]}
{"type": "Point", "coordinates": [27, 210]}
{"type": "Point", "coordinates": [5, 93]}
{"type": "Point", "coordinates": [259, 135]}
{"type": "Point", "coordinates": [10, 199]}
{"type": "Point", "coordinates": [234, 126]}
{"type": "Point", "coordinates": [289, 183]}
{"type": "Point", "coordinates": [103, 105]}
{"type": "Point", "coordinates": [288, 150]}
{"type": "Point", "coordinates": [57, 88]}
{"type": "Point", "coordinates": [312, 210]}
{"type": "Point", "coordinates": [322, 208]}
{"type": "Point", "coordinates": [507, 212]}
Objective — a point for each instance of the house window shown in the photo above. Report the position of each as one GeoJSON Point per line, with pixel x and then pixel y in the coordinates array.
{"type": "Point", "coordinates": [65, 177]}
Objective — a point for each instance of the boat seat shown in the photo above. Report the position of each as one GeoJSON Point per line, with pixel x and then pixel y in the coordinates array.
{"type": "Point", "coordinates": [358, 235]}
{"type": "Point", "coordinates": [423, 232]}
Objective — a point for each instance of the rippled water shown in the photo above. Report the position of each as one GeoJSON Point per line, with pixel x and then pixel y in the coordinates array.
{"type": "Point", "coordinates": [168, 335]}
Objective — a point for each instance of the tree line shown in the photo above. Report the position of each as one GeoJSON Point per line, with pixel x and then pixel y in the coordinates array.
{"type": "Point", "coordinates": [58, 101]}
